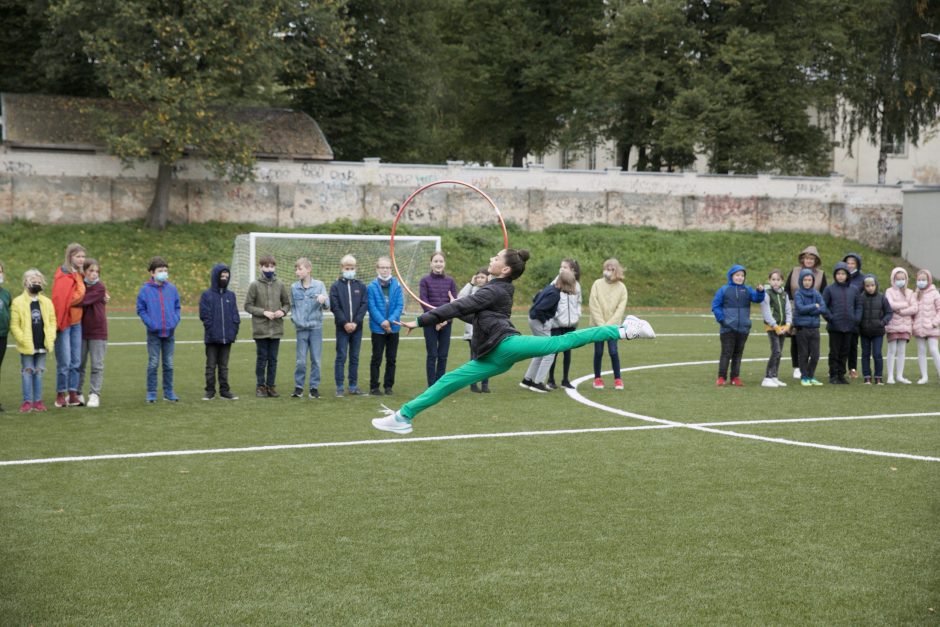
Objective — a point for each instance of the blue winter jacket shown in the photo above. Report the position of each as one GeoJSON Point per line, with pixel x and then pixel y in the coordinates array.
{"type": "Point", "coordinates": [844, 304]}
{"type": "Point", "coordinates": [805, 312]}
{"type": "Point", "coordinates": [218, 310]}
{"type": "Point", "coordinates": [732, 304]}
{"type": "Point", "coordinates": [305, 310]}
{"type": "Point", "coordinates": [381, 308]}
{"type": "Point", "coordinates": [348, 301]}
{"type": "Point", "coordinates": [158, 305]}
{"type": "Point", "coordinates": [545, 303]}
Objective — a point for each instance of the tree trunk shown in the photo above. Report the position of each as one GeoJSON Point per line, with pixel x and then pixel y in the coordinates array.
{"type": "Point", "coordinates": [624, 156]}
{"type": "Point", "coordinates": [883, 152]}
{"type": "Point", "coordinates": [160, 205]}
{"type": "Point", "coordinates": [519, 152]}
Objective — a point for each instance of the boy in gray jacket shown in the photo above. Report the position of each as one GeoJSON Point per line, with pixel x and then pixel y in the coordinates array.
{"type": "Point", "coordinates": [268, 301]}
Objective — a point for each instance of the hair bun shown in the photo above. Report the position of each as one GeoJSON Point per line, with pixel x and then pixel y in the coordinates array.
{"type": "Point", "coordinates": [523, 254]}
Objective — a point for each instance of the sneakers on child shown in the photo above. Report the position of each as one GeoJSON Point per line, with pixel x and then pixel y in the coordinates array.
{"type": "Point", "coordinates": [314, 393]}
{"type": "Point", "coordinates": [26, 407]}
{"type": "Point", "coordinates": [539, 387]}
{"type": "Point", "coordinates": [39, 406]}
{"type": "Point", "coordinates": [94, 400]}
{"type": "Point", "coordinates": [75, 400]}
{"type": "Point", "coordinates": [61, 400]}
{"type": "Point", "coordinates": [815, 381]}
{"type": "Point", "coordinates": [392, 421]}
{"type": "Point", "coordinates": [780, 384]}
{"type": "Point", "coordinates": [797, 374]}
{"type": "Point", "coordinates": [272, 392]}
{"type": "Point", "coordinates": [633, 328]}
{"type": "Point", "coordinates": [878, 381]}
{"type": "Point", "coordinates": [171, 398]}
{"type": "Point", "coordinates": [297, 393]}
{"type": "Point", "coordinates": [618, 384]}
{"type": "Point", "coordinates": [736, 382]}
{"type": "Point", "coordinates": [720, 382]}
{"type": "Point", "coordinates": [805, 381]}
{"type": "Point", "coordinates": [769, 382]}
{"type": "Point", "coordinates": [81, 400]}
{"type": "Point", "coordinates": [228, 396]}
{"type": "Point", "coordinates": [867, 380]}
{"type": "Point", "coordinates": [904, 381]}
{"type": "Point", "coordinates": [526, 383]}
{"type": "Point", "coordinates": [922, 381]}
{"type": "Point", "coordinates": [598, 384]}
{"type": "Point", "coordinates": [261, 391]}
{"type": "Point", "coordinates": [208, 396]}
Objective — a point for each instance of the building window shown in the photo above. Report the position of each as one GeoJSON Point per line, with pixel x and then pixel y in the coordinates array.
{"type": "Point", "coordinates": [565, 157]}
{"type": "Point", "coordinates": [898, 147]}
{"type": "Point", "coordinates": [592, 158]}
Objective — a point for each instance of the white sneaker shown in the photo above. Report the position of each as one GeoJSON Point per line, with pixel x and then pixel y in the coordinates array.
{"type": "Point", "coordinates": [889, 381]}
{"type": "Point", "coordinates": [922, 381]}
{"type": "Point", "coordinates": [633, 328]}
{"type": "Point", "coordinates": [81, 400]}
{"type": "Point", "coordinates": [93, 400]}
{"type": "Point", "coordinates": [797, 374]}
{"type": "Point", "coordinates": [393, 422]}
{"type": "Point", "coordinates": [780, 384]}
{"type": "Point", "coordinates": [904, 381]}
{"type": "Point", "coordinates": [768, 383]}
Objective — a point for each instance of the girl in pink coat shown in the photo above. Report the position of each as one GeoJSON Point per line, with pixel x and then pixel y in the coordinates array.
{"type": "Point", "coordinates": [899, 329]}
{"type": "Point", "coordinates": [927, 323]}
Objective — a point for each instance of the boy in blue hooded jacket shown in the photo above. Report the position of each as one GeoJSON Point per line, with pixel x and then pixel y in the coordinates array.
{"type": "Point", "coordinates": [732, 308]}
{"type": "Point", "coordinates": [218, 311]}
{"type": "Point", "coordinates": [808, 307]}
{"type": "Point", "coordinates": [845, 312]}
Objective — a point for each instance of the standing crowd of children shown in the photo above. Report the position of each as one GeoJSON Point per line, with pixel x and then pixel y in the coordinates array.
{"type": "Point", "coordinates": [855, 311]}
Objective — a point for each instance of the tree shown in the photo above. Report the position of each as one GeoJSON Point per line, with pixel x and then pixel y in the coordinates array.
{"type": "Point", "coordinates": [891, 75]}
{"type": "Point", "coordinates": [181, 66]}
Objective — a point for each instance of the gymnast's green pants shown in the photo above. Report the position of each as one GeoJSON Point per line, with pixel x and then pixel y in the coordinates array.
{"type": "Point", "coordinates": [512, 349]}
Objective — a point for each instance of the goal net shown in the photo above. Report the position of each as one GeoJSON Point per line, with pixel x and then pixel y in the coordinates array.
{"type": "Point", "coordinates": [412, 254]}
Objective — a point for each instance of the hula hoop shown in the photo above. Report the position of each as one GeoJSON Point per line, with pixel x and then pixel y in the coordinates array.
{"type": "Point", "coordinates": [405, 204]}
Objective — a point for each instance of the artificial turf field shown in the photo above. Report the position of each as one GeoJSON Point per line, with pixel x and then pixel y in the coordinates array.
{"type": "Point", "coordinates": [652, 522]}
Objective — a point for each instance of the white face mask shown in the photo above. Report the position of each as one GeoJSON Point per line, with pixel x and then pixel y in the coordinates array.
{"type": "Point", "coordinates": [922, 284]}
{"type": "Point", "coordinates": [900, 283]}
{"type": "Point", "coordinates": [349, 275]}
{"type": "Point", "coordinates": [608, 274]}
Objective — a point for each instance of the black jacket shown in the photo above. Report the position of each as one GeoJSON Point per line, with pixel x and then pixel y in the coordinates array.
{"type": "Point", "coordinates": [488, 310]}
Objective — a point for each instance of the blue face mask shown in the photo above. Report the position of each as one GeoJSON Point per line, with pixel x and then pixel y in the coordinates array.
{"type": "Point", "coordinates": [268, 274]}
{"type": "Point", "coordinates": [349, 275]}
{"type": "Point", "coordinates": [900, 283]}
{"type": "Point", "coordinates": [922, 284]}
{"type": "Point", "coordinates": [87, 282]}
{"type": "Point", "coordinates": [162, 276]}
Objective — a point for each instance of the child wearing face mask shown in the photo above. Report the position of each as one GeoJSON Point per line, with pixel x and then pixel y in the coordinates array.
{"type": "Point", "coordinates": [898, 330]}
{"type": "Point", "coordinates": [308, 301]}
{"type": "Point", "coordinates": [777, 313]}
{"type": "Point", "coordinates": [386, 302]}
{"type": "Point", "coordinates": [349, 303]}
{"type": "Point", "coordinates": [608, 301]}
{"type": "Point", "coordinates": [158, 306]}
{"type": "Point", "coordinates": [478, 280]}
{"type": "Point", "coordinates": [5, 301]}
{"type": "Point", "coordinates": [268, 301]}
{"type": "Point", "coordinates": [927, 323]}
{"type": "Point", "coordinates": [33, 325]}
{"type": "Point", "coordinates": [94, 333]}
{"type": "Point", "coordinates": [218, 311]}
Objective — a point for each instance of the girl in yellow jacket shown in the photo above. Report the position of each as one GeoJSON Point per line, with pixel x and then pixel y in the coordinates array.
{"type": "Point", "coordinates": [33, 325]}
{"type": "Point", "coordinates": [608, 302]}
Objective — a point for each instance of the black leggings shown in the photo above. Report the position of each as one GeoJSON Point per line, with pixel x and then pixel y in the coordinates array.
{"type": "Point", "coordinates": [566, 365]}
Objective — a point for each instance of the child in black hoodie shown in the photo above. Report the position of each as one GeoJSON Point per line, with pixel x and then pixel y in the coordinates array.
{"type": "Point", "coordinates": [876, 313]}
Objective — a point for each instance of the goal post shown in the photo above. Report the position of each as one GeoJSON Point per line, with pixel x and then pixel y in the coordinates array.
{"type": "Point", "coordinates": [412, 255]}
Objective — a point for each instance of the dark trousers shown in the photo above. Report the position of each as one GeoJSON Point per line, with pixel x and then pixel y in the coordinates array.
{"type": "Point", "coordinates": [871, 349]}
{"type": "Point", "coordinates": [347, 343]}
{"type": "Point", "coordinates": [383, 344]}
{"type": "Point", "coordinates": [437, 344]}
{"type": "Point", "coordinates": [566, 356]}
{"type": "Point", "coordinates": [839, 343]}
{"type": "Point", "coordinates": [266, 363]}
{"type": "Point", "coordinates": [776, 350]}
{"type": "Point", "coordinates": [217, 361]}
{"type": "Point", "coordinates": [732, 349]}
{"type": "Point", "coordinates": [853, 352]}
{"type": "Point", "coordinates": [599, 357]}
{"type": "Point", "coordinates": [807, 342]}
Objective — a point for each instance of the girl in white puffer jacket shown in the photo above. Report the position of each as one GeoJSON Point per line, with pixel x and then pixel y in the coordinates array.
{"type": "Point", "coordinates": [927, 323]}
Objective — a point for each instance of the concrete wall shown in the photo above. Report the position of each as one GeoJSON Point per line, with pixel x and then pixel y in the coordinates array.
{"type": "Point", "coordinates": [921, 244]}
{"type": "Point", "coordinates": [56, 187]}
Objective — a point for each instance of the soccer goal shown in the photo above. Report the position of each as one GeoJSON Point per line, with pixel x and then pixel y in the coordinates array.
{"type": "Point", "coordinates": [412, 254]}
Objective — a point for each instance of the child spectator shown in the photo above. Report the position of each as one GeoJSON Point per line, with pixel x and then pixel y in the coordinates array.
{"type": "Point", "coordinates": [845, 312]}
{"type": "Point", "coordinates": [608, 301]}
{"type": "Point", "coordinates": [158, 305]}
{"type": "Point", "coordinates": [808, 307]}
{"type": "Point", "coordinates": [68, 290]}
{"type": "Point", "coordinates": [349, 302]}
{"type": "Point", "coordinates": [927, 323]}
{"type": "Point", "coordinates": [856, 280]}
{"type": "Point", "coordinates": [876, 314]}
{"type": "Point", "coordinates": [566, 321]}
{"type": "Point", "coordinates": [5, 302]}
{"type": "Point", "coordinates": [94, 333]}
{"type": "Point", "coordinates": [544, 306]}
{"type": "Point", "coordinates": [386, 300]}
{"type": "Point", "coordinates": [732, 308]}
{"type": "Point", "coordinates": [218, 311]}
{"type": "Point", "coordinates": [778, 318]}
{"type": "Point", "coordinates": [809, 258]}
{"type": "Point", "coordinates": [268, 301]}
{"type": "Point", "coordinates": [898, 330]}
{"type": "Point", "coordinates": [436, 289]}
{"type": "Point", "coordinates": [308, 300]}
{"type": "Point", "coordinates": [33, 324]}
{"type": "Point", "coordinates": [478, 280]}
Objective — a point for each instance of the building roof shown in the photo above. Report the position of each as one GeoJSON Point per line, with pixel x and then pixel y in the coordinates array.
{"type": "Point", "coordinates": [66, 123]}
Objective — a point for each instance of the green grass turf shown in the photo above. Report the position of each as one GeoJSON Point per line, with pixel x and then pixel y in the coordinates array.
{"type": "Point", "coordinates": [658, 526]}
